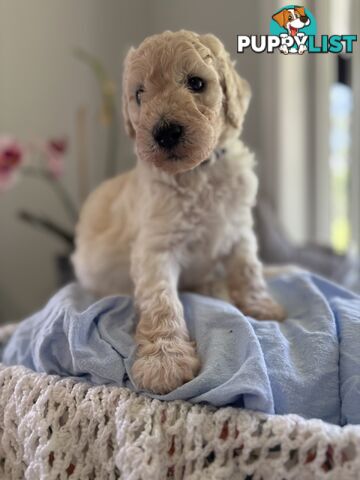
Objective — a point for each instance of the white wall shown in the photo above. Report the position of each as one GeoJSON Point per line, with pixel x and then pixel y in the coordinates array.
{"type": "Point", "coordinates": [42, 86]}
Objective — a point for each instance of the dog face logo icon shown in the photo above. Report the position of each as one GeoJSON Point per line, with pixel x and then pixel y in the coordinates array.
{"type": "Point", "coordinates": [293, 23]}
{"type": "Point", "coordinates": [292, 19]}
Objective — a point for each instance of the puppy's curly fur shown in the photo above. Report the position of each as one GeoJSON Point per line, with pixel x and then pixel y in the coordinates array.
{"type": "Point", "coordinates": [182, 217]}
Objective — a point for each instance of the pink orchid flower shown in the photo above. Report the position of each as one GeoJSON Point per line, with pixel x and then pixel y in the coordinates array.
{"type": "Point", "coordinates": [56, 150]}
{"type": "Point", "coordinates": [11, 156]}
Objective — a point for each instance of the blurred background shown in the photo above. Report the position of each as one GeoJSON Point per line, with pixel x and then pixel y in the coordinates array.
{"type": "Point", "coordinates": [60, 121]}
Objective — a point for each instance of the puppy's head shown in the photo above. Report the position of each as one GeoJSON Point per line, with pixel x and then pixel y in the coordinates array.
{"type": "Point", "coordinates": [292, 18]}
{"type": "Point", "coordinates": [182, 97]}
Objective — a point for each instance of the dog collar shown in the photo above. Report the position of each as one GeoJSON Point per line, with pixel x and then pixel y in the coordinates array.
{"type": "Point", "coordinates": [217, 154]}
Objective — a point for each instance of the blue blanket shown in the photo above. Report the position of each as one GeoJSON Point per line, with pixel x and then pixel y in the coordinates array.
{"type": "Point", "coordinates": [307, 365]}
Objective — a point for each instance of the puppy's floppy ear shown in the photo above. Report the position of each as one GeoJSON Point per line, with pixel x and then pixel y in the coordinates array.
{"type": "Point", "coordinates": [125, 101]}
{"type": "Point", "coordinates": [236, 90]}
{"type": "Point", "coordinates": [300, 10]}
{"type": "Point", "coordinates": [280, 18]}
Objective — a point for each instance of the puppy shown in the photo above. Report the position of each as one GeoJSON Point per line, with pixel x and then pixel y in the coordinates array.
{"type": "Point", "coordinates": [182, 217]}
{"type": "Point", "coordinates": [292, 20]}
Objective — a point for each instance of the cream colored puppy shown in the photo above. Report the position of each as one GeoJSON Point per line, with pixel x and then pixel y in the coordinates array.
{"type": "Point", "coordinates": [182, 217]}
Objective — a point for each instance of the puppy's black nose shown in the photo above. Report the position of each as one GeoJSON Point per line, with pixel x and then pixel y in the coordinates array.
{"type": "Point", "coordinates": [304, 19]}
{"type": "Point", "coordinates": [167, 135]}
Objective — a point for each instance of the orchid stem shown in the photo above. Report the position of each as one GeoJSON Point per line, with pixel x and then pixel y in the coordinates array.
{"type": "Point", "coordinates": [47, 225]}
{"type": "Point", "coordinates": [61, 192]}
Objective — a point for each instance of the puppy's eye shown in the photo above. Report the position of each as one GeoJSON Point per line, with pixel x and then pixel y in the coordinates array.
{"type": "Point", "coordinates": [290, 17]}
{"type": "Point", "coordinates": [138, 94]}
{"type": "Point", "coordinates": [196, 84]}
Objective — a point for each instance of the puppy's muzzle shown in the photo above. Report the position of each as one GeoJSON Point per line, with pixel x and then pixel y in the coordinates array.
{"type": "Point", "coordinates": [168, 135]}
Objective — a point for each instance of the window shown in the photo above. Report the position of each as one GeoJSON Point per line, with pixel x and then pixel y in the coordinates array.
{"type": "Point", "coordinates": [340, 110]}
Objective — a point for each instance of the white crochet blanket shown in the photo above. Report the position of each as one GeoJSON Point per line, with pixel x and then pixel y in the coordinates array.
{"type": "Point", "coordinates": [53, 428]}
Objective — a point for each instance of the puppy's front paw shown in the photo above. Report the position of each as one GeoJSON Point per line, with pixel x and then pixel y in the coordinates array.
{"type": "Point", "coordinates": [165, 365]}
{"type": "Point", "coordinates": [262, 308]}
